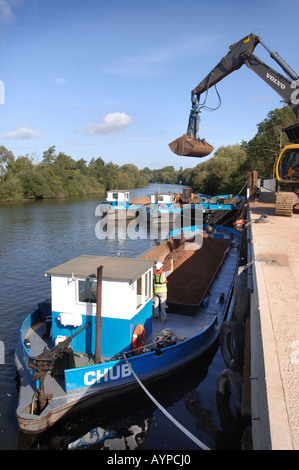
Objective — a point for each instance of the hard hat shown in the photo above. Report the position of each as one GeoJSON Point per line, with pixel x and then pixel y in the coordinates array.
{"type": "Point", "coordinates": [159, 265]}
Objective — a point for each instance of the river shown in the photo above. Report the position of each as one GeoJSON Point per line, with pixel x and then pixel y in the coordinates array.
{"type": "Point", "coordinates": [39, 235]}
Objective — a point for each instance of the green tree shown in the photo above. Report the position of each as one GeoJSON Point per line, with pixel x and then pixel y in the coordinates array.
{"type": "Point", "coordinates": [34, 184]}
{"type": "Point", "coordinates": [7, 161]}
{"type": "Point", "coordinates": [65, 162]}
{"type": "Point", "coordinates": [110, 175]}
{"type": "Point", "coordinates": [264, 147]}
{"type": "Point", "coordinates": [97, 169]}
{"type": "Point", "coordinates": [81, 165]}
{"type": "Point", "coordinates": [146, 172]}
{"type": "Point", "coordinates": [219, 174]}
{"type": "Point", "coordinates": [22, 163]}
{"type": "Point", "coordinates": [134, 178]}
{"type": "Point", "coordinates": [123, 180]}
{"type": "Point", "coordinates": [49, 156]}
{"type": "Point", "coordinates": [166, 175]}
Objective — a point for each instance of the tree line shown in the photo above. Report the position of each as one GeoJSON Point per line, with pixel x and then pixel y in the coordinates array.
{"type": "Point", "coordinates": [59, 175]}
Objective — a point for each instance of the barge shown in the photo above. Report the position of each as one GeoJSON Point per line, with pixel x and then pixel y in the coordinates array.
{"type": "Point", "coordinates": [117, 206]}
{"type": "Point", "coordinates": [173, 208]}
{"type": "Point", "coordinates": [86, 344]}
{"type": "Point", "coordinates": [162, 209]}
{"type": "Point", "coordinates": [223, 209]}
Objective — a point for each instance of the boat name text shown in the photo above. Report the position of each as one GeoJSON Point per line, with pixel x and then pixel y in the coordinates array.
{"type": "Point", "coordinates": [108, 373]}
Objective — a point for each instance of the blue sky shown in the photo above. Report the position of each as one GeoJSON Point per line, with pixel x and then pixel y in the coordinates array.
{"type": "Point", "coordinates": [113, 79]}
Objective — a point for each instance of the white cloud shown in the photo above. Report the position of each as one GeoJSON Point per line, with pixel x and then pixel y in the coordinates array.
{"type": "Point", "coordinates": [110, 123]}
{"type": "Point", "coordinates": [60, 80]}
{"type": "Point", "coordinates": [6, 13]}
{"type": "Point", "coordinates": [22, 133]}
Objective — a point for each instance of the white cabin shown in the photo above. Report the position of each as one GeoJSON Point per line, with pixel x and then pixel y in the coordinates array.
{"type": "Point", "coordinates": [118, 197]}
{"type": "Point", "coordinates": [126, 301]}
{"type": "Point", "coordinates": [163, 198]}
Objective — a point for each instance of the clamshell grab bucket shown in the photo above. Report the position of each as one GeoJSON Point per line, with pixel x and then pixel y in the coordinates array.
{"type": "Point", "coordinates": [187, 146]}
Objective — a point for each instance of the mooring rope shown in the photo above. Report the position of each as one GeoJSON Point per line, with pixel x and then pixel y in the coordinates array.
{"type": "Point", "coordinates": [165, 334]}
{"type": "Point", "coordinates": [168, 415]}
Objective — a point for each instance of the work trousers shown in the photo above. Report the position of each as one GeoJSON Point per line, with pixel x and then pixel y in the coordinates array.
{"type": "Point", "coordinates": [160, 301]}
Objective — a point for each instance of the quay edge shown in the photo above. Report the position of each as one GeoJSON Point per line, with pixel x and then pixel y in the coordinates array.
{"type": "Point", "coordinates": [274, 326]}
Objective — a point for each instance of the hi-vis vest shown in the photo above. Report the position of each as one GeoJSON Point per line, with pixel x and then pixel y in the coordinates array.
{"type": "Point", "coordinates": [160, 285]}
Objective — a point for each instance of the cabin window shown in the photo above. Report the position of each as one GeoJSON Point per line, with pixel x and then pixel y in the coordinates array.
{"type": "Point", "coordinates": [139, 292]}
{"type": "Point", "coordinates": [87, 291]}
{"type": "Point", "coordinates": [148, 286]}
{"type": "Point", "coordinates": [144, 289]}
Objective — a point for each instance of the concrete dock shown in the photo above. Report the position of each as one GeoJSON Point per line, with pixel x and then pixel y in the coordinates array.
{"type": "Point", "coordinates": [273, 247]}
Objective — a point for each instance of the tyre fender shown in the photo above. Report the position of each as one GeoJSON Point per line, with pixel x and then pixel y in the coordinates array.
{"type": "Point", "coordinates": [232, 341]}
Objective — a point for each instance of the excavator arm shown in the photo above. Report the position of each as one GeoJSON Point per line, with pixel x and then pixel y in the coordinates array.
{"type": "Point", "coordinates": [240, 53]}
{"type": "Point", "coordinates": [232, 61]}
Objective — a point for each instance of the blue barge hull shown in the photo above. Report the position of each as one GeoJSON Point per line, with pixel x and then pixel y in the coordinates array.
{"type": "Point", "coordinates": [184, 337]}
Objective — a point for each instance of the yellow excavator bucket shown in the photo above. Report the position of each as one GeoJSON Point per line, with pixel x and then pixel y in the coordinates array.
{"type": "Point", "coordinates": [187, 146]}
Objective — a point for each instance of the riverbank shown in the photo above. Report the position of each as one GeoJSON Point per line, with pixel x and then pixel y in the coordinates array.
{"type": "Point", "coordinates": [58, 197]}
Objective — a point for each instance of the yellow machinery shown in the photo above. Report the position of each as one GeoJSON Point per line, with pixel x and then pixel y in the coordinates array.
{"type": "Point", "coordinates": [286, 172]}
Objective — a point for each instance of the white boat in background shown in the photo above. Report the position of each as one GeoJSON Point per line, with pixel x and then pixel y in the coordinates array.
{"type": "Point", "coordinates": [117, 205]}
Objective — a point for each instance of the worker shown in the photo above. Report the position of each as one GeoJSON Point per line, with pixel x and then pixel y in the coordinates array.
{"type": "Point", "coordinates": [160, 290]}
{"type": "Point", "coordinates": [293, 172]}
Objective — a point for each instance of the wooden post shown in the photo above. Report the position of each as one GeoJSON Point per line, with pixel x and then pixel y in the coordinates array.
{"type": "Point", "coordinates": [252, 181]}
{"type": "Point", "coordinates": [97, 358]}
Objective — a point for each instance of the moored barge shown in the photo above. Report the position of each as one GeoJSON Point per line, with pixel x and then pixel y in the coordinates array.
{"type": "Point", "coordinates": [83, 346]}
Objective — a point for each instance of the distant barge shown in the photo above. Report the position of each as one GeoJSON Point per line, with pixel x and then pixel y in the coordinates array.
{"type": "Point", "coordinates": [171, 208]}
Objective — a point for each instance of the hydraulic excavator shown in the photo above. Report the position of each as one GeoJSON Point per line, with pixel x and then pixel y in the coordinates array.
{"type": "Point", "coordinates": [286, 168]}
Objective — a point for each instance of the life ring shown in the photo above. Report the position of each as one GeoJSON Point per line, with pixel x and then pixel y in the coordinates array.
{"type": "Point", "coordinates": [138, 339]}
{"type": "Point", "coordinates": [162, 206]}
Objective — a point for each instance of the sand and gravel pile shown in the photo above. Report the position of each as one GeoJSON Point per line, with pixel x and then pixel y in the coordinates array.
{"type": "Point", "coordinates": [193, 269]}
{"type": "Point", "coordinates": [141, 200]}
